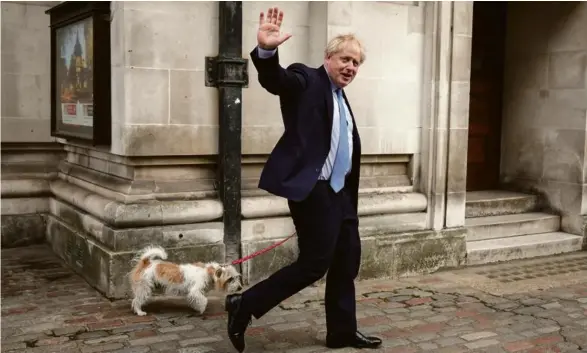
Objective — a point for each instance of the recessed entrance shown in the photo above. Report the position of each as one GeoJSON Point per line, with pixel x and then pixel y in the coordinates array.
{"type": "Point", "coordinates": [485, 104]}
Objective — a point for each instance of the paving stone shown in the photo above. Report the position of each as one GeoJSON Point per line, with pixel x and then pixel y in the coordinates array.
{"type": "Point", "coordinates": [427, 314]}
{"type": "Point", "coordinates": [478, 335]}
{"type": "Point", "coordinates": [449, 341]}
{"type": "Point", "coordinates": [481, 343]}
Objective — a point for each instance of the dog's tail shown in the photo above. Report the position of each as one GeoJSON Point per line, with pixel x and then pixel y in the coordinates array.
{"type": "Point", "coordinates": [143, 260]}
{"type": "Point", "coordinates": [153, 252]}
{"type": "Point", "coordinates": [150, 253]}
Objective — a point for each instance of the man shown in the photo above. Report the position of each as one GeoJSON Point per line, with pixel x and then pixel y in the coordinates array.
{"type": "Point", "coordinates": [315, 165]}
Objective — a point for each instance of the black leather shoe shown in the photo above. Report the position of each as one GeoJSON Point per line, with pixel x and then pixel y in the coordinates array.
{"type": "Point", "coordinates": [358, 340]}
{"type": "Point", "coordinates": [238, 320]}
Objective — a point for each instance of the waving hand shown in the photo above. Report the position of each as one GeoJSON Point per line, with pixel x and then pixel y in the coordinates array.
{"type": "Point", "coordinates": [269, 35]}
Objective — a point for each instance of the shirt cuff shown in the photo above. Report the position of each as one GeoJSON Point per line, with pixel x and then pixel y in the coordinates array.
{"type": "Point", "coordinates": [265, 54]}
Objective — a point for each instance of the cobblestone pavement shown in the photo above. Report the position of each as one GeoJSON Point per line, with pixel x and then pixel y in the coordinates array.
{"type": "Point", "coordinates": [526, 306]}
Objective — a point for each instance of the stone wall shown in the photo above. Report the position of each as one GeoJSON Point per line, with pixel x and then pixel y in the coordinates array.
{"type": "Point", "coordinates": [29, 154]}
{"type": "Point", "coordinates": [160, 105]}
{"type": "Point", "coordinates": [386, 95]}
{"type": "Point", "coordinates": [387, 98]}
{"type": "Point", "coordinates": [156, 183]}
{"type": "Point", "coordinates": [26, 94]}
{"type": "Point", "coordinates": [544, 145]}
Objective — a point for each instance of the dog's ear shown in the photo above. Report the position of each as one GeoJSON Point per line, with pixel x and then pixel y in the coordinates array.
{"type": "Point", "coordinates": [219, 272]}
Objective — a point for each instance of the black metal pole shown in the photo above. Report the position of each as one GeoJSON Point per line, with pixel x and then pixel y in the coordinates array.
{"type": "Point", "coordinates": [229, 73]}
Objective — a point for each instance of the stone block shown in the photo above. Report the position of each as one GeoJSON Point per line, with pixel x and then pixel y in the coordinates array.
{"type": "Point", "coordinates": [526, 27]}
{"type": "Point", "coordinates": [561, 109]}
{"type": "Point", "coordinates": [154, 33]}
{"type": "Point", "coordinates": [191, 102]}
{"type": "Point", "coordinates": [22, 230]}
{"type": "Point", "coordinates": [463, 18]}
{"type": "Point", "coordinates": [455, 209]}
{"type": "Point", "coordinates": [416, 19]}
{"type": "Point", "coordinates": [262, 266]}
{"type": "Point", "coordinates": [340, 13]}
{"type": "Point", "coordinates": [297, 12]}
{"type": "Point", "coordinates": [164, 140]}
{"type": "Point", "coordinates": [436, 210]}
{"type": "Point", "coordinates": [457, 160]}
{"type": "Point", "coordinates": [260, 139]}
{"type": "Point", "coordinates": [148, 96]}
{"type": "Point", "coordinates": [380, 225]}
{"type": "Point", "coordinates": [519, 150]}
{"type": "Point", "coordinates": [459, 104]}
{"type": "Point", "coordinates": [427, 251]}
{"type": "Point", "coordinates": [568, 31]}
{"type": "Point", "coordinates": [399, 141]}
{"type": "Point", "coordinates": [567, 70]}
{"type": "Point", "coordinates": [461, 58]}
{"type": "Point", "coordinates": [525, 71]}
{"type": "Point", "coordinates": [20, 129]}
{"type": "Point", "coordinates": [318, 31]}
{"type": "Point", "coordinates": [564, 155]}
{"type": "Point", "coordinates": [24, 205]}
{"type": "Point", "coordinates": [439, 172]}
{"type": "Point", "coordinates": [25, 50]}
{"type": "Point", "coordinates": [260, 108]}
{"type": "Point", "coordinates": [25, 95]}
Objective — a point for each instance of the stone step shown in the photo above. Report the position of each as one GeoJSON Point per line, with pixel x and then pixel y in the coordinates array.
{"type": "Point", "coordinates": [491, 227]}
{"type": "Point", "coordinates": [498, 202]}
{"type": "Point", "coordinates": [521, 247]}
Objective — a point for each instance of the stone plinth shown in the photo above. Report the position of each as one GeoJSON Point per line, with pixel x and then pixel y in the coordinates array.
{"type": "Point", "coordinates": [99, 219]}
{"type": "Point", "coordinates": [27, 172]}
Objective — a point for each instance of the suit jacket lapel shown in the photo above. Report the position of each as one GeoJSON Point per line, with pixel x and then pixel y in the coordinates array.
{"type": "Point", "coordinates": [327, 96]}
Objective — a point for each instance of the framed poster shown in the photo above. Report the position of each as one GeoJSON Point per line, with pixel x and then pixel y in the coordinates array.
{"type": "Point", "coordinates": [80, 71]}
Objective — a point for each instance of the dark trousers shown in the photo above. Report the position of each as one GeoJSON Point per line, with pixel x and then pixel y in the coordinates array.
{"type": "Point", "coordinates": [328, 240]}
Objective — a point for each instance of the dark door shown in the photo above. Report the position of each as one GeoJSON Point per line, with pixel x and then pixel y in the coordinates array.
{"type": "Point", "coordinates": [485, 109]}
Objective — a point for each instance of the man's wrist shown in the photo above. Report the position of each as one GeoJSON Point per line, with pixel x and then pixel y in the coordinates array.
{"type": "Point", "coordinates": [264, 53]}
{"type": "Point", "coordinates": [265, 48]}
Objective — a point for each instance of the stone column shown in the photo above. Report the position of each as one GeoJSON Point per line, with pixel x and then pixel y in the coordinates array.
{"type": "Point", "coordinates": [458, 119]}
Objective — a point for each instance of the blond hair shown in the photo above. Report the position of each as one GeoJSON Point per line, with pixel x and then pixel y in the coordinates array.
{"type": "Point", "coordinates": [337, 44]}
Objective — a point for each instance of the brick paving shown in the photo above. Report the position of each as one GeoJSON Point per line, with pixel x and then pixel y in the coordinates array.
{"type": "Point", "coordinates": [500, 308]}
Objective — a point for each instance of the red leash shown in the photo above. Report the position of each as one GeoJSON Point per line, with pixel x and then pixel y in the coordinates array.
{"type": "Point", "coordinates": [262, 251]}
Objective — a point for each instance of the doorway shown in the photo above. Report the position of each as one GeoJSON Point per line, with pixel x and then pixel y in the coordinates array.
{"type": "Point", "coordinates": [485, 102]}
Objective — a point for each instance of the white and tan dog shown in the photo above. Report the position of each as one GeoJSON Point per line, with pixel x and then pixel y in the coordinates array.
{"type": "Point", "coordinates": [193, 280]}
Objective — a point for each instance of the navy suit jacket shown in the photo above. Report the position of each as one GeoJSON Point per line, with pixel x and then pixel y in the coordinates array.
{"type": "Point", "coordinates": [305, 96]}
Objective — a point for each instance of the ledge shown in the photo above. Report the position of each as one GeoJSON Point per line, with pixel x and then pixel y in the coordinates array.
{"type": "Point", "coordinates": [133, 191]}
{"type": "Point", "coordinates": [275, 228]}
{"type": "Point", "coordinates": [132, 239]}
{"type": "Point", "coordinates": [370, 203]}
{"type": "Point", "coordinates": [149, 213]}
{"type": "Point", "coordinates": [11, 188]}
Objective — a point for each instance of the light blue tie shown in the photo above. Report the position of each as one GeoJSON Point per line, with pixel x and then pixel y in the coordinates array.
{"type": "Point", "coordinates": [341, 160]}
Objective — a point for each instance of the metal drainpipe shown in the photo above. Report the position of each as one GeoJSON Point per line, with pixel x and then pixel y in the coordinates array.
{"type": "Point", "coordinates": [228, 72]}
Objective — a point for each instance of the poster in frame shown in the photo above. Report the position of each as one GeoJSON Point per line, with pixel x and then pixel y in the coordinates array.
{"type": "Point", "coordinates": [80, 71]}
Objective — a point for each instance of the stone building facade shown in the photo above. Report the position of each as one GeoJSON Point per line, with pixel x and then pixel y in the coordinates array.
{"type": "Point", "coordinates": [473, 119]}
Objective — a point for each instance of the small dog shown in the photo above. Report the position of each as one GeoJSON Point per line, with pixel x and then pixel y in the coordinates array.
{"type": "Point", "coordinates": [193, 280]}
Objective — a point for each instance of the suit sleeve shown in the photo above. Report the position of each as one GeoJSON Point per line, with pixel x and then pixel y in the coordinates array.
{"type": "Point", "coordinates": [274, 78]}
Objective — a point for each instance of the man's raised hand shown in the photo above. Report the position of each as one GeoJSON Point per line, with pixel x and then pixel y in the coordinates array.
{"type": "Point", "coordinates": [269, 36]}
